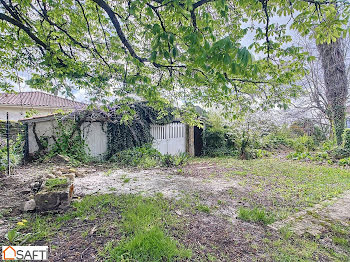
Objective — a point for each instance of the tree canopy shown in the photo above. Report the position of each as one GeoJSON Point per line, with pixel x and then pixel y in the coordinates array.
{"type": "Point", "coordinates": [192, 51]}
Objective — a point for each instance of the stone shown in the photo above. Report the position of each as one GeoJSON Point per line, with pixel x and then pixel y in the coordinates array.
{"type": "Point", "coordinates": [49, 176]}
{"type": "Point", "coordinates": [60, 159]}
{"type": "Point", "coordinates": [79, 174]}
{"type": "Point", "coordinates": [70, 176]}
{"type": "Point", "coordinates": [29, 205]}
{"type": "Point", "coordinates": [57, 172]}
{"type": "Point", "coordinates": [46, 201]}
{"type": "Point", "coordinates": [26, 191]}
{"type": "Point", "coordinates": [36, 186]}
{"type": "Point", "coordinates": [178, 212]}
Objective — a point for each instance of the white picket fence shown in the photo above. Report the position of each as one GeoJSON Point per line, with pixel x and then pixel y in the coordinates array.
{"type": "Point", "coordinates": [170, 138]}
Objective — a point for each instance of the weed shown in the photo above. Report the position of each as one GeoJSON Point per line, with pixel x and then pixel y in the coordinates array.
{"type": "Point", "coordinates": [126, 180]}
{"type": "Point", "coordinates": [340, 241]}
{"type": "Point", "coordinates": [148, 245]}
{"type": "Point", "coordinates": [55, 183]}
{"type": "Point", "coordinates": [255, 215]}
{"type": "Point", "coordinates": [143, 223]}
{"type": "Point", "coordinates": [203, 208]}
{"type": "Point", "coordinates": [108, 172]}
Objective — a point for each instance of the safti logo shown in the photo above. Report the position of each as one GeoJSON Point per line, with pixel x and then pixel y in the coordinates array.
{"type": "Point", "coordinates": [38, 253]}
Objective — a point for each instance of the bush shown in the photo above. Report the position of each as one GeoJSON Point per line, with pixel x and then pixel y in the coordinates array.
{"type": "Point", "coordinates": [346, 139]}
{"type": "Point", "coordinates": [144, 156]}
{"type": "Point", "coordinates": [276, 140]}
{"type": "Point", "coordinates": [339, 153]}
{"type": "Point", "coordinates": [303, 143]}
{"type": "Point", "coordinates": [147, 157]}
{"type": "Point", "coordinates": [219, 142]}
{"type": "Point", "coordinates": [16, 152]}
{"type": "Point", "coordinates": [344, 161]}
{"type": "Point", "coordinates": [299, 155]}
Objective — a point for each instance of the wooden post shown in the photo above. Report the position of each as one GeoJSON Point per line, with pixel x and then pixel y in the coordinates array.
{"type": "Point", "coordinates": [191, 141]}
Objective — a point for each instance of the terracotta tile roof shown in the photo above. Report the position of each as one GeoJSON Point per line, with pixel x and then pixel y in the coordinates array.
{"type": "Point", "coordinates": [38, 99]}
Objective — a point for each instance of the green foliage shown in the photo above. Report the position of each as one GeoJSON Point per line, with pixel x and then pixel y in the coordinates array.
{"type": "Point", "coordinates": [203, 208]}
{"type": "Point", "coordinates": [68, 141]}
{"type": "Point", "coordinates": [299, 155]}
{"type": "Point", "coordinates": [303, 143]}
{"type": "Point", "coordinates": [16, 152]}
{"type": "Point", "coordinates": [55, 183]}
{"type": "Point", "coordinates": [344, 161]}
{"type": "Point", "coordinates": [129, 125]}
{"type": "Point", "coordinates": [276, 140]}
{"type": "Point", "coordinates": [346, 139]}
{"type": "Point", "coordinates": [172, 161]}
{"type": "Point", "coordinates": [328, 145]}
{"type": "Point", "coordinates": [147, 157]}
{"type": "Point", "coordinates": [32, 112]}
{"type": "Point", "coordinates": [255, 215]}
{"type": "Point", "coordinates": [218, 139]}
{"type": "Point", "coordinates": [339, 153]}
{"type": "Point", "coordinates": [203, 57]}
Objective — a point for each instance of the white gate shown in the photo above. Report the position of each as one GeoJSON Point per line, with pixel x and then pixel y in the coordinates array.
{"type": "Point", "coordinates": [170, 138]}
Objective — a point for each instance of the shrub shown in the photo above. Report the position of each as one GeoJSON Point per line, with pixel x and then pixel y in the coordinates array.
{"type": "Point", "coordinates": [328, 145]}
{"type": "Point", "coordinates": [339, 153]}
{"type": "Point", "coordinates": [144, 156]}
{"type": "Point", "coordinates": [16, 152]}
{"type": "Point", "coordinates": [68, 142]}
{"type": "Point", "coordinates": [276, 140]}
{"type": "Point", "coordinates": [346, 139]}
{"type": "Point", "coordinates": [176, 160]}
{"type": "Point", "coordinates": [299, 155]}
{"type": "Point", "coordinates": [344, 161]}
{"type": "Point", "coordinates": [219, 142]}
{"type": "Point", "coordinates": [147, 157]}
{"type": "Point", "coordinates": [303, 143]}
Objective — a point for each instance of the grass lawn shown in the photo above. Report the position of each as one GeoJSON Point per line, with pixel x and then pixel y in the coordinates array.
{"type": "Point", "coordinates": [196, 226]}
{"type": "Point", "coordinates": [284, 186]}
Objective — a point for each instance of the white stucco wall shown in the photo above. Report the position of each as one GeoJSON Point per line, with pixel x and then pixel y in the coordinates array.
{"type": "Point", "coordinates": [42, 129]}
{"type": "Point", "coordinates": [95, 138]}
{"type": "Point", "coordinates": [16, 113]}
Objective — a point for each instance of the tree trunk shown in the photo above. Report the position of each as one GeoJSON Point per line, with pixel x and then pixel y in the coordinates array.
{"type": "Point", "coordinates": [336, 82]}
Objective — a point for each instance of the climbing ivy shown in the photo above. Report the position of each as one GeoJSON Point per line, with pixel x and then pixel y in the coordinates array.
{"type": "Point", "coordinates": [125, 132]}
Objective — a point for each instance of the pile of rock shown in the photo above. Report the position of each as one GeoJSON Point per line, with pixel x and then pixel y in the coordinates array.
{"type": "Point", "coordinates": [68, 172]}
{"type": "Point", "coordinates": [54, 190]}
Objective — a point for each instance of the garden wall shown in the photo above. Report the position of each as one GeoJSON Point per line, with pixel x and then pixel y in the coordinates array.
{"type": "Point", "coordinates": [168, 139]}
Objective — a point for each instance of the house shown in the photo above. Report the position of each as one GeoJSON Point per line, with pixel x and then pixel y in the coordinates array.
{"type": "Point", "coordinates": [40, 103]}
{"type": "Point", "coordinates": [172, 138]}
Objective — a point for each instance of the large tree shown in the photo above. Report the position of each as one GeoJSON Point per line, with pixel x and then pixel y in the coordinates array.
{"type": "Point", "coordinates": [163, 50]}
{"type": "Point", "coordinates": [336, 83]}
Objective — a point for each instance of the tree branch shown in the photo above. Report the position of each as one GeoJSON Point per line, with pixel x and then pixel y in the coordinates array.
{"type": "Point", "coordinates": [118, 28]}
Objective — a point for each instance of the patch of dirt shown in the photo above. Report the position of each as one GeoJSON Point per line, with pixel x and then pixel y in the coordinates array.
{"type": "Point", "coordinates": [210, 236]}
{"type": "Point", "coordinates": [317, 219]}
{"type": "Point", "coordinates": [205, 170]}
{"type": "Point", "coordinates": [148, 182]}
